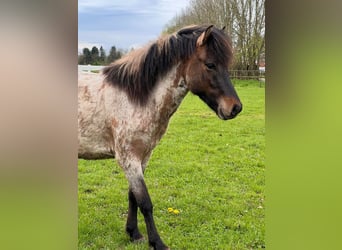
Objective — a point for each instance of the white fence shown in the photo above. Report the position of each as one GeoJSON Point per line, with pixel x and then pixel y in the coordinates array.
{"type": "Point", "coordinates": [239, 74]}
{"type": "Point", "coordinates": [89, 68]}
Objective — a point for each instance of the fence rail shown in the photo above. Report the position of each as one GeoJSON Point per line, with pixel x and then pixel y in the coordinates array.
{"type": "Point", "coordinates": [234, 74]}
{"type": "Point", "coordinates": [89, 68]}
{"type": "Point", "coordinates": [248, 74]}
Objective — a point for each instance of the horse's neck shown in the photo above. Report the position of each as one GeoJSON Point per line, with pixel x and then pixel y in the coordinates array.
{"type": "Point", "coordinates": [169, 93]}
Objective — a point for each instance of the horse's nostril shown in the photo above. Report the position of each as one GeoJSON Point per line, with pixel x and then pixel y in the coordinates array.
{"type": "Point", "coordinates": [236, 109]}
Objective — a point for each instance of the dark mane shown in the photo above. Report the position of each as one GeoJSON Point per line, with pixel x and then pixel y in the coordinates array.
{"type": "Point", "coordinates": [138, 72]}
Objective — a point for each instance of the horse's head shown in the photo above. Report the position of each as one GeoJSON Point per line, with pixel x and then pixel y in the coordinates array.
{"type": "Point", "coordinates": [207, 73]}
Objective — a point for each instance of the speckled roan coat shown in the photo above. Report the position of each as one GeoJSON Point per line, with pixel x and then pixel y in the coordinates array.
{"type": "Point", "coordinates": [124, 111]}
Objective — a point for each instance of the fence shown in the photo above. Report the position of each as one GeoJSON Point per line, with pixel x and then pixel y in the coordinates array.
{"type": "Point", "coordinates": [248, 74]}
{"type": "Point", "coordinates": [234, 74]}
{"type": "Point", "coordinates": [89, 68]}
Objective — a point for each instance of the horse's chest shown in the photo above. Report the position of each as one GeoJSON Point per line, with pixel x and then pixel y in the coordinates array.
{"type": "Point", "coordinates": [150, 130]}
{"type": "Point", "coordinates": [138, 136]}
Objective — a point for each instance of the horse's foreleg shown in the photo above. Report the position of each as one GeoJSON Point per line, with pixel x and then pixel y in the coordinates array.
{"type": "Point", "coordinates": [132, 221]}
{"type": "Point", "coordinates": [139, 197]}
{"type": "Point", "coordinates": [145, 204]}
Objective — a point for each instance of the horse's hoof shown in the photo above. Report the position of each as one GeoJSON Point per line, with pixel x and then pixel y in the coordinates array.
{"type": "Point", "coordinates": [138, 239]}
{"type": "Point", "coordinates": [160, 248]}
{"type": "Point", "coordinates": [135, 236]}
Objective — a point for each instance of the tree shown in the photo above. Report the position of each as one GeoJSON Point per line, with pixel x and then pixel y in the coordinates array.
{"type": "Point", "coordinates": [98, 57]}
{"type": "Point", "coordinates": [95, 56]}
{"type": "Point", "coordinates": [113, 55]}
{"type": "Point", "coordinates": [249, 28]}
{"type": "Point", "coordinates": [102, 58]}
{"type": "Point", "coordinates": [85, 58]}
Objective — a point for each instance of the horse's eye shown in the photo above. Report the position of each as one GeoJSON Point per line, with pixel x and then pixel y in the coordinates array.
{"type": "Point", "coordinates": [210, 66]}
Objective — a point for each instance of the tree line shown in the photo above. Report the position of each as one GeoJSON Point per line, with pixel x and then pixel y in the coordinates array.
{"type": "Point", "coordinates": [97, 56]}
{"type": "Point", "coordinates": [244, 21]}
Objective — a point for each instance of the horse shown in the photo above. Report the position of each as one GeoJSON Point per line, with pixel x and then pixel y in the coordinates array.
{"type": "Point", "coordinates": [124, 111]}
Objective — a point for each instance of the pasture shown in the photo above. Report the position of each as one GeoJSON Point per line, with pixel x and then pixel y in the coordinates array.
{"type": "Point", "coordinates": [211, 171]}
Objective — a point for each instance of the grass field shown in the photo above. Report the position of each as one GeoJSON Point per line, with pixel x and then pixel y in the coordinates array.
{"type": "Point", "coordinates": [212, 171]}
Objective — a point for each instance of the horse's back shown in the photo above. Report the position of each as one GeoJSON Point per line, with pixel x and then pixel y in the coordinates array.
{"type": "Point", "coordinates": [95, 137]}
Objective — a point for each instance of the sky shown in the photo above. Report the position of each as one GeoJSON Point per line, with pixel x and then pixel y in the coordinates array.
{"type": "Point", "coordinates": [123, 23]}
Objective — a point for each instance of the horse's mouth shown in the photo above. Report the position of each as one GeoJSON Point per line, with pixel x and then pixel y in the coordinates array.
{"type": "Point", "coordinates": [235, 111]}
{"type": "Point", "coordinates": [224, 117]}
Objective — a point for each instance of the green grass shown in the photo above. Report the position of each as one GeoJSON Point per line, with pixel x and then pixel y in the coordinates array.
{"type": "Point", "coordinates": [212, 171]}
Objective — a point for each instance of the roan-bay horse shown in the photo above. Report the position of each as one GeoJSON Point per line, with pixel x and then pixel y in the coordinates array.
{"type": "Point", "coordinates": [124, 111]}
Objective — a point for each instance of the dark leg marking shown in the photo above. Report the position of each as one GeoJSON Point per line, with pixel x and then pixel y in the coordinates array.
{"type": "Point", "coordinates": [132, 221]}
{"type": "Point", "coordinates": [145, 204]}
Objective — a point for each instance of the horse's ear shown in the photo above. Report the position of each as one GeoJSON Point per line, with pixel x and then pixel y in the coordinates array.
{"type": "Point", "coordinates": [203, 38]}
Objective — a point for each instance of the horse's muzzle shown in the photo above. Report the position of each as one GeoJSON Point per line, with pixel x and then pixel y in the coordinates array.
{"type": "Point", "coordinates": [236, 109]}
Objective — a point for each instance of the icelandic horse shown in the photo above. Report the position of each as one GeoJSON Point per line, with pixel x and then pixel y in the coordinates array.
{"type": "Point", "coordinates": [124, 111]}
